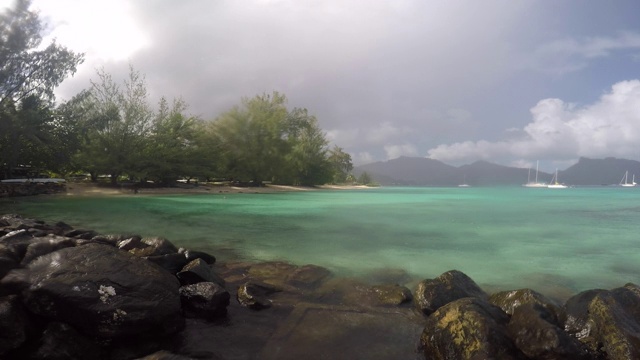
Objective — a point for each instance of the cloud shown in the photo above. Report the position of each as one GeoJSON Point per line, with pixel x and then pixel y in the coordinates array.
{"type": "Point", "coordinates": [395, 151]}
{"type": "Point", "coordinates": [570, 54]}
{"type": "Point", "coordinates": [563, 131]}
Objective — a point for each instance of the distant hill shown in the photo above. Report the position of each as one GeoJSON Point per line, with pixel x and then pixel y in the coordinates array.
{"type": "Point", "coordinates": [417, 171]}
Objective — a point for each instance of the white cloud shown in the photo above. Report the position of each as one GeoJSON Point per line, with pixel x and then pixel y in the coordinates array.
{"type": "Point", "coordinates": [363, 158]}
{"type": "Point", "coordinates": [395, 151]}
{"type": "Point", "coordinates": [569, 54]}
{"type": "Point", "coordinates": [562, 131]}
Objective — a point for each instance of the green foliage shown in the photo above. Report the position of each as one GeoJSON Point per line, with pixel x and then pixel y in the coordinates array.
{"type": "Point", "coordinates": [365, 179]}
{"type": "Point", "coordinates": [30, 133]}
{"type": "Point", "coordinates": [341, 165]}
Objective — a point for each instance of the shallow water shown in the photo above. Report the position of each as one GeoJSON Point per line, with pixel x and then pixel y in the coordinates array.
{"type": "Point", "coordinates": [558, 242]}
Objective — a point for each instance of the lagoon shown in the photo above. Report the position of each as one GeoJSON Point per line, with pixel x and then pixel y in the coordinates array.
{"type": "Point", "coordinates": [556, 241]}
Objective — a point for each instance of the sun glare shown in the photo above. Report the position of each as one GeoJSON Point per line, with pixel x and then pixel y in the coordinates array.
{"type": "Point", "coordinates": [102, 29]}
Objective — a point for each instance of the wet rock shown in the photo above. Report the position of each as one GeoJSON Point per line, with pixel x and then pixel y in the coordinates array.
{"type": "Point", "coordinates": [81, 234]}
{"type": "Point", "coordinates": [18, 222]}
{"type": "Point", "coordinates": [198, 271]}
{"type": "Point", "coordinates": [254, 295]}
{"type": "Point", "coordinates": [273, 272]}
{"type": "Point", "coordinates": [172, 263]}
{"type": "Point", "coordinates": [508, 301]}
{"type": "Point", "coordinates": [450, 286]}
{"type": "Point", "coordinates": [192, 255]}
{"type": "Point", "coordinates": [307, 276]}
{"type": "Point", "coordinates": [44, 245]}
{"type": "Point", "coordinates": [615, 316]}
{"type": "Point", "coordinates": [103, 292]}
{"type": "Point", "coordinates": [392, 295]}
{"type": "Point", "coordinates": [166, 355]}
{"type": "Point", "coordinates": [205, 300]}
{"type": "Point", "coordinates": [155, 246]}
{"type": "Point", "coordinates": [576, 317]}
{"type": "Point", "coordinates": [14, 324]}
{"type": "Point", "coordinates": [533, 328]}
{"type": "Point", "coordinates": [8, 260]}
{"type": "Point", "coordinates": [112, 239]}
{"type": "Point", "coordinates": [468, 328]}
{"type": "Point", "coordinates": [60, 341]}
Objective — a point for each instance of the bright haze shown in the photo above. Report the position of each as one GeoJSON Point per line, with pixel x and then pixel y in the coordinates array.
{"type": "Point", "coordinates": [506, 81]}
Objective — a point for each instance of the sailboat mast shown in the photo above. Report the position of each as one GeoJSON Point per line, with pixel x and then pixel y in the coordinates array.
{"type": "Point", "coordinates": [537, 162]}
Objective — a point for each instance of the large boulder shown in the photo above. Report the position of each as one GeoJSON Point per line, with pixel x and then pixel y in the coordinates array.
{"type": "Point", "coordinates": [154, 246]}
{"type": "Point", "coordinates": [535, 331]}
{"type": "Point", "coordinates": [468, 328]}
{"type": "Point", "coordinates": [198, 271]}
{"type": "Point", "coordinates": [101, 291]}
{"type": "Point", "coordinates": [59, 341]}
{"type": "Point", "coordinates": [452, 285]}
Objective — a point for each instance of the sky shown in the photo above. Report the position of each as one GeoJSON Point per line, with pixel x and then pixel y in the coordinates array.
{"type": "Point", "coordinates": [510, 82]}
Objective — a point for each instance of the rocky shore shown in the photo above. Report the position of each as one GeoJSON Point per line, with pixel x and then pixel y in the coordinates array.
{"type": "Point", "coordinates": [70, 293]}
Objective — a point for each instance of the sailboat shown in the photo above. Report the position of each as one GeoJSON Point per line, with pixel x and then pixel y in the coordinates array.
{"type": "Point", "coordinates": [624, 182]}
{"type": "Point", "coordinates": [555, 184]}
{"type": "Point", "coordinates": [464, 182]}
{"type": "Point", "coordinates": [535, 184]}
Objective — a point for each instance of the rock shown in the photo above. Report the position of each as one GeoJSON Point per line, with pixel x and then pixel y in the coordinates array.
{"type": "Point", "coordinates": [155, 246]}
{"type": "Point", "coordinates": [308, 276]}
{"type": "Point", "coordinates": [44, 245]}
{"type": "Point", "coordinates": [192, 255]}
{"type": "Point", "coordinates": [272, 272]}
{"type": "Point", "coordinates": [60, 341]}
{"type": "Point", "coordinates": [448, 287]}
{"type": "Point", "coordinates": [576, 313]}
{"type": "Point", "coordinates": [615, 316]}
{"type": "Point", "coordinates": [198, 271]}
{"type": "Point", "coordinates": [508, 301]}
{"type": "Point", "coordinates": [165, 355]}
{"type": "Point", "coordinates": [393, 295]}
{"type": "Point", "coordinates": [112, 239]}
{"type": "Point", "coordinates": [533, 328]}
{"type": "Point", "coordinates": [254, 295]}
{"type": "Point", "coordinates": [18, 222]}
{"type": "Point", "coordinates": [131, 243]}
{"type": "Point", "coordinates": [8, 260]}
{"type": "Point", "coordinates": [14, 324]}
{"type": "Point", "coordinates": [172, 263]}
{"type": "Point", "coordinates": [205, 300]}
{"type": "Point", "coordinates": [468, 328]}
{"type": "Point", "coordinates": [81, 234]}
{"type": "Point", "coordinates": [103, 292]}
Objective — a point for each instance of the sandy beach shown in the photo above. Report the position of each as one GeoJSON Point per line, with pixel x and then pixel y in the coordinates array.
{"type": "Point", "coordinates": [92, 189]}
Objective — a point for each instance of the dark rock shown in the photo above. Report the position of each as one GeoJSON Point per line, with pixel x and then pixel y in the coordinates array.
{"type": "Point", "coordinates": [205, 300]}
{"type": "Point", "coordinates": [103, 292]}
{"type": "Point", "coordinates": [615, 316]}
{"type": "Point", "coordinates": [155, 246]}
{"type": "Point", "coordinates": [60, 341]}
{"type": "Point", "coordinates": [508, 301]}
{"type": "Point", "coordinates": [165, 355]}
{"type": "Point", "coordinates": [468, 328]}
{"type": "Point", "coordinates": [308, 276]}
{"type": "Point", "coordinates": [173, 263]}
{"type": "Point", "coordinates": [534, 330]}
{"type": "Point", "coordinates": [393, 295]}
{"type": "Point", "coordinates": [254, 295]}
{"type": "Point", "coordinates": [450, 286]}
{"type": "Point", "coordinates": [8, 260]}
{"type": "Point", "coordinates": [81, 234]}
{"type": "Point", "coordinates": [272, 272]}
{"type": "Point", "coordinates": [576, 313]}
{"type": "Point", "coordinates": [131, 244]}
{"type": "Point", "coordinates": [112, 239]}
{"type": "Point", "coordinates": [198, 271]}
{"type": "Point", "coordinates": [192, 255]}
{"type": "Point", "coordinates": [14, 324]}
{"type": "Point", "coordinates": [18, 222]}
{"type": "Point", "coordinates": [44, 245]}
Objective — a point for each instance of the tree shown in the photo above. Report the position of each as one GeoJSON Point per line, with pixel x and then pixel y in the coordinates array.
{"type": "Point", "coordinates": [341, 164]}
{"type": "Point", "coordinates": [25, 68]}
{"type": "Point", "coordinates": [307, 159]}
{"type": "Point", "coordinates": [364, 179]}
{"type": "Point", "coordinates": [116, 126]}
{"type": "Point", "coordinates": [28, 76]}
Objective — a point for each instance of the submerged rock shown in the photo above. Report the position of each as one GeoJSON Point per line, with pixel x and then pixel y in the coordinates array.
{"type": "Point", "coordinates": [254, 295]}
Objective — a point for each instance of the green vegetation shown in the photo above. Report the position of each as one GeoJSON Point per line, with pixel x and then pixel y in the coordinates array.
{"type": "Point", "coordinates": [112, 129]}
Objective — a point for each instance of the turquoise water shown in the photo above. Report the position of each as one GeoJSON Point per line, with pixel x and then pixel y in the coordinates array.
{"type": "Point", "coordinates": [558, 242]}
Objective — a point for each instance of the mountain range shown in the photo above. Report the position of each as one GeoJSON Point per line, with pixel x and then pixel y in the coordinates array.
{"type": "Point", "coordinates": [418, 171]}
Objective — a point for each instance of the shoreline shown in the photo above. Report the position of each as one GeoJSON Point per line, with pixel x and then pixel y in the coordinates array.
{"type": "Point", "coordinates": [94, 189]}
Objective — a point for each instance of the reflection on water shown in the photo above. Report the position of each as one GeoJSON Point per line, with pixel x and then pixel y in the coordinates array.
{"type": "Point", "coordinates": [557, 242]}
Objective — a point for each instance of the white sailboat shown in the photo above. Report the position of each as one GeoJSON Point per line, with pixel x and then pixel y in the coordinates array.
{"type": "Point", "coordinates": [624, 182]}
{"type": "Point", "coordinates": [464, 182]}
{"type": "Point", "coordinates": [555, 184]}
{"type": "Point", "coordinates": [535, 184]}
